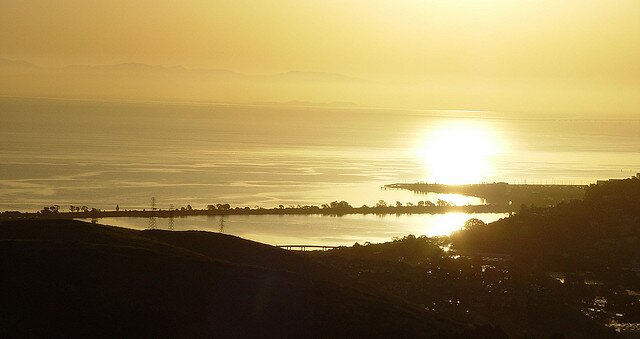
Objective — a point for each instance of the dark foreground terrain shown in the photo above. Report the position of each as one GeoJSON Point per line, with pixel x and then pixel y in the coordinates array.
{"type": "Point", "coordinates": [65, 278]}
{"type": "Point", "coordinates": [571, 270]}
{"type": "Point", "coordinates": [523, 301]}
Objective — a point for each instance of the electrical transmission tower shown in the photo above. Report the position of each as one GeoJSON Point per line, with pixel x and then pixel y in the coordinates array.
{"type": "Point", "coordinates": [171, 209]}
{"type": "Point", "coordinates": [222, 224]}
{"type": "Point", "coordinates": [152, 218]}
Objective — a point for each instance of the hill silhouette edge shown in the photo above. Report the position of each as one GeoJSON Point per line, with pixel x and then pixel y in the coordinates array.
{"type": "Point", "coordinates": [70, 278]}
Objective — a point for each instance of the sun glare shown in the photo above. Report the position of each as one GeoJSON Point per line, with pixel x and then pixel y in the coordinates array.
{"type": "Point", "coordinates": [445, 224]}
{"type": "Point", "coordinates": [459, 152]}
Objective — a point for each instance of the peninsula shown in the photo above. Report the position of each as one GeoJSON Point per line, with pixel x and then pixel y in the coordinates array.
{"type": "Point", "coordinates": [334, 208]}
{"type": "Point", "coordinates": [502, 193]}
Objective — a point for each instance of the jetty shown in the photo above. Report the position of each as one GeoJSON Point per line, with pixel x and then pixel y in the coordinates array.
{"type": "Point", "coordinates": [501, 193]}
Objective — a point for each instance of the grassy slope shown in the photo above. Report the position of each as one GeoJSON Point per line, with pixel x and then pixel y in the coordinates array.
{"type": "Point", "coordinates": [64, 278]}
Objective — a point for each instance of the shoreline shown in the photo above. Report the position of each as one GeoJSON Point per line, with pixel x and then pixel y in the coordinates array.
{"type": "Point", "coordinates": [310, 210]}
{"type": "Point", "coordinates": [503, 193]}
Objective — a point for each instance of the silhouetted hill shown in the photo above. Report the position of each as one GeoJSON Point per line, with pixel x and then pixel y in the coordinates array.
{"type": "Point", "coordinates": [603, 230]}
{"type": "Point", "coordinates": [300, 76]}
{"type": "Point", "coordinates": [17, 64]}
{"type": "Point", "coordinates": [69, 278]}
{"type": "Point", "coordinates": [144, 82]}
{"type": "Point", "coordinates": [142, 69]}
{"type": "Point", "coordinates": [236, 250]}
{"type": "Point", "coordinates": [298, 103]}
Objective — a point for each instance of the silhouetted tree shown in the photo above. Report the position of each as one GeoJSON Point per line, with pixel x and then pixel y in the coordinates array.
{"type": "Point", "coordinates": [442, 203]}
{"type": "Point", "coordinates": [381, 203]}
{"type": "Point", "coordinates": [473, 223]}
{"type": "Point", "coordinates": [340, 205]}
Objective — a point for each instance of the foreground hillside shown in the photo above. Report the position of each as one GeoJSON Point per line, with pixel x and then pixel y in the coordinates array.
{"type": "Point", "coordinates": [521, 301]}
{"type": "Point", "coordinates": [69, 278]}
{"type": "Point", "coordinates": [601, 231]}
{"type": "Point", "coordinates": [590, 247]}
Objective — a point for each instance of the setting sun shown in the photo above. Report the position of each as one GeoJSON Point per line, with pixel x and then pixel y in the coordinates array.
{"type": "Point", "coordinates": [459, 152]}
{"type": "Point", "coordinates": [351, 168]}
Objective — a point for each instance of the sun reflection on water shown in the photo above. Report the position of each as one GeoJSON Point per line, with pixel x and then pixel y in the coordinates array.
{"type": "Point", "coordinates": [446, 224]}
{"type": "Point", "coordinates": [460, 152]}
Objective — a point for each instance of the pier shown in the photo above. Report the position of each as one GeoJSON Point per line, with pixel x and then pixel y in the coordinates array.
{"type": "Point", "coordinates": [304, 248]}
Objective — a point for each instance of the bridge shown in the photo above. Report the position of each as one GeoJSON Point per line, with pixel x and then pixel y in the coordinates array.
{"type": "Point", "coordinates": [305, 247]}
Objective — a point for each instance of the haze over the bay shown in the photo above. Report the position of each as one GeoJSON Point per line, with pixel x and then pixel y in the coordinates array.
{"type": "Point", "coordinates": [538, 57]}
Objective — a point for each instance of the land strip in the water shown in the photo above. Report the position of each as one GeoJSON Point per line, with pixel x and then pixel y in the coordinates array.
{"type": "Point", "coordinates": [500, 198]}
{"type": "Point", "coordinates": [335, 208]}
{"type": "Point", "coordinates": [502, 193]}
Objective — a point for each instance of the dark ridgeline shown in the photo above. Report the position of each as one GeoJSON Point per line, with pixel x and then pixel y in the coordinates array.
{"type": "Point", "coordinates": [601, 231]}
{"type": "Point", "coordinates": [63, 278]}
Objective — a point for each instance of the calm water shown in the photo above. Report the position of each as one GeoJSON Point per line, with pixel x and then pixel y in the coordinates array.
{"type": "Point", "coordinates": [316, 229]}
{"type": "Point", "coordinates": [103, 154]}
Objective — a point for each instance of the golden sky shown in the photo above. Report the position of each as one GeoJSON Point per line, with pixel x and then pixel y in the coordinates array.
{"type": "Point", "coordinates": [584, 52]}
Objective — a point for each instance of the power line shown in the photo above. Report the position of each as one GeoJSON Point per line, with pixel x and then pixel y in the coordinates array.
{"type": "Point", "coordinates": [171, 226]}
{"type": "Point", "coordinates": [152, 218]}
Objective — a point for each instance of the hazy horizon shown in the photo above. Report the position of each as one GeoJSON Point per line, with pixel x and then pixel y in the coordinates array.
{"type": "Point", "coordinates": [330, 168]}
{"type": "Point", "coordinates": [533, 57]}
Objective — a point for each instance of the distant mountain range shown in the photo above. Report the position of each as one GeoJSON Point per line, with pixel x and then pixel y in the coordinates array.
{"type": "Point", "coordinates": [16, 63]}
{"type": "Point", "coordinates": [137, 81]}
{"type": "Point", "coordinates": [141, 67]}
